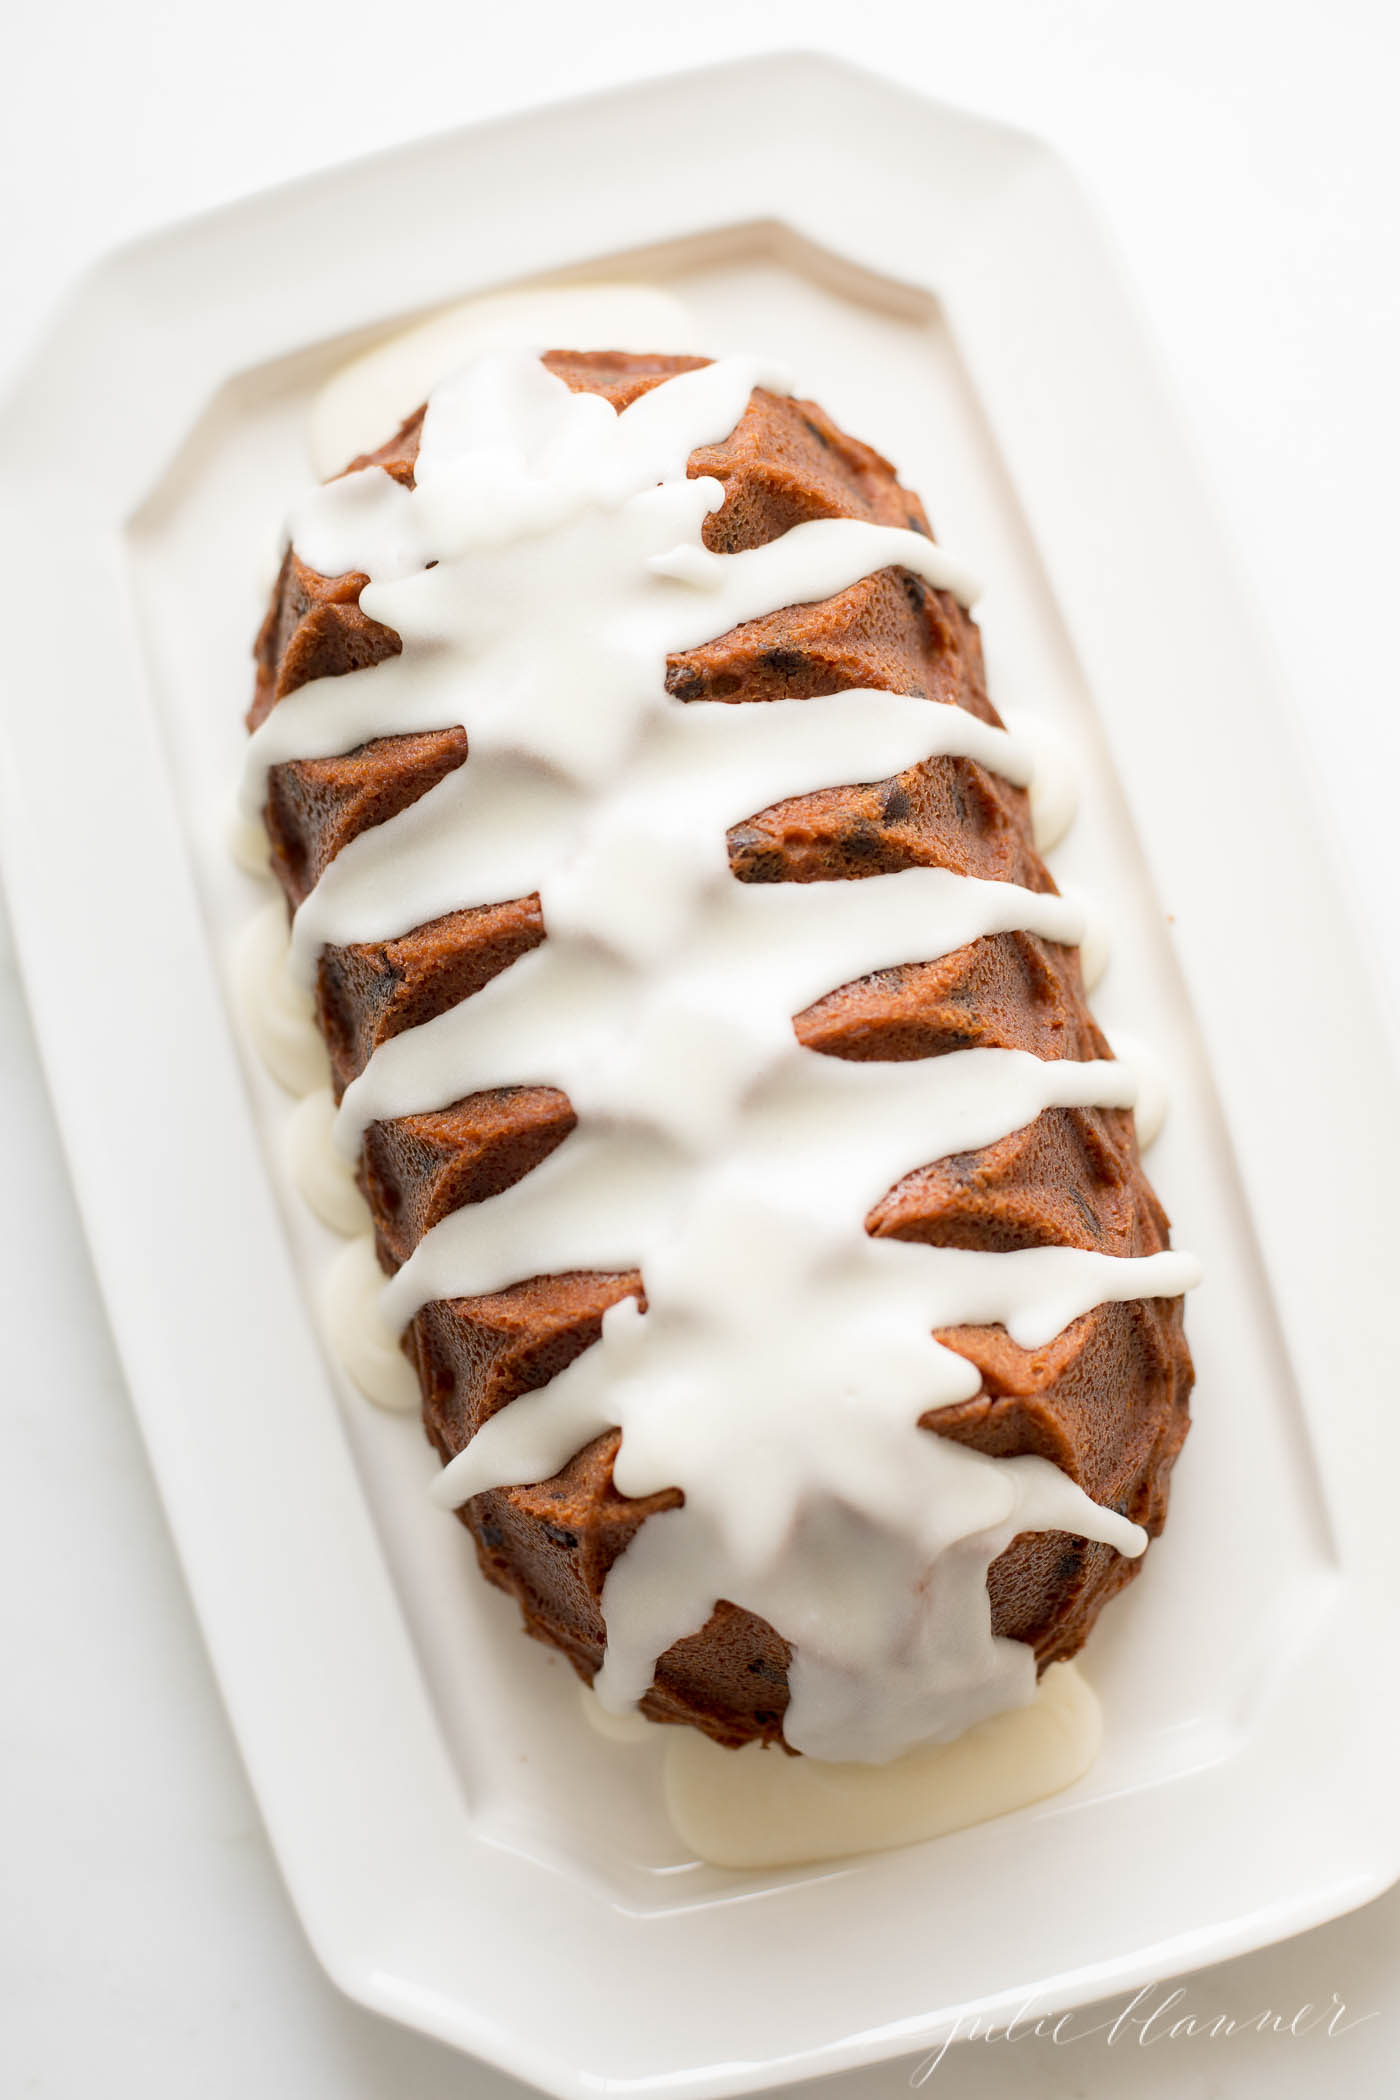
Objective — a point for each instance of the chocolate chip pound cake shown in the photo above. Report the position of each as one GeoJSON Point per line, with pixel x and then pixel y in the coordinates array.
{"type": "Point", "coordinates": [762, 1205]}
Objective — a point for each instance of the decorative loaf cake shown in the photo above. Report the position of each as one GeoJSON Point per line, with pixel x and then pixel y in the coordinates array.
{"type": "Point", "coordinates": [763, 1206]}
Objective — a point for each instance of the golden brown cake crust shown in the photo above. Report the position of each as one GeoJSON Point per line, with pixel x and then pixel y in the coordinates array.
{"type": "Point", "coordinates": [1106, 1399]}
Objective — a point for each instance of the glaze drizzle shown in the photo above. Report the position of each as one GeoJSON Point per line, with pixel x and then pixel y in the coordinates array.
{"type": "Point", "coordinates": [546, 564]}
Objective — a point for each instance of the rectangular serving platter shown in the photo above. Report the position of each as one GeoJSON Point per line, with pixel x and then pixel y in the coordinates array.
{"type": "Point", "coordinates": [466, 1855]}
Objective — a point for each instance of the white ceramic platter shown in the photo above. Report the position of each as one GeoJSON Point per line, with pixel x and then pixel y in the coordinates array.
{"type": "Point", "coordinates": [466, 1855]}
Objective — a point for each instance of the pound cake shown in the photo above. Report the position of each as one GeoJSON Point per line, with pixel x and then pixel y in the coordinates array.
{"type": "Point", "coordinates": [761, 1203]}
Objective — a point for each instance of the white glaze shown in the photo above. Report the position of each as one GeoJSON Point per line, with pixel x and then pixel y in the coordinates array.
{"type": "Point", "coordinates": [365, 400]}
{"type": "Point", "coordinates": [1095, 941]}
{"type": "Point", "coordinates": [276, 1009]}
{"type": "Point", "coordinates": [1153, 1093]}
{"type": "Point", "coordinates": [615, 1728]}
{"type": "Point", "coordinates": [754, 1807]}
{"type": "Point", "coordinates": [325, 1177]}
{"type": "Point", "coordinates": [786, 1357]}
{"type": "Point", "coordinates": [248, 841]}
{"type": "Point", "coordinates": [363, 1342]}
{"type": "Point", "coordinates": [698, 771]}
{"type": "Point", "coordinates": [1054, 781]}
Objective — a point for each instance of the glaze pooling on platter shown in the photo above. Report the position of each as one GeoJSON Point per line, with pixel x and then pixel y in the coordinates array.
{"type": "Point", "coordinates": [545, 565]}
{"type": "Point", "coordinates": [746, 1808]}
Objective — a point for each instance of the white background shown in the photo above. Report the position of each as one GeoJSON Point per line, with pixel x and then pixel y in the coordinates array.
{"type": "Point", "coordinates": [1247, 159]}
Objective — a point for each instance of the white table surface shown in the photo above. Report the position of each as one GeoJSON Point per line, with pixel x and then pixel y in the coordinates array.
{"type": "Point", "coordinates": [1248, 160]}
